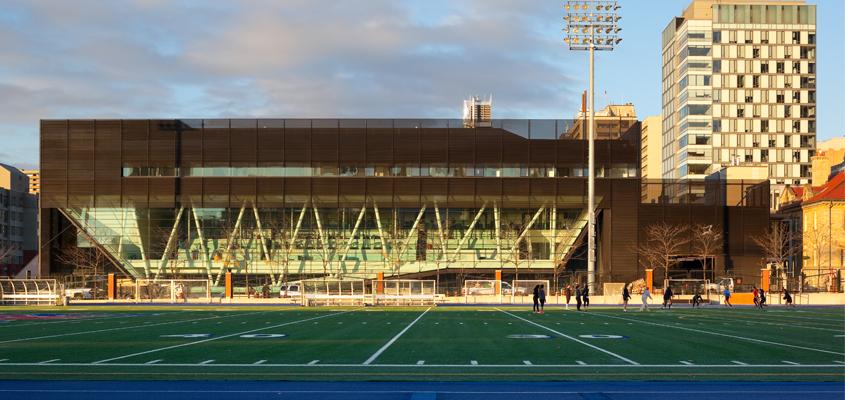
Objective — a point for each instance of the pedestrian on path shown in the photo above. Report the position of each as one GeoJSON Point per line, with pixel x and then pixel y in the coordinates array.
{"type": "Point", "coordinates": [578, 296]}
{"type": "Point", "coordinates": [646, 298]}
{"type": "Point", "coordinates": [542, 296]}
{"type": "Point", "coordinates": [727, 294]}
{"type": "Point", "coordinates": [626, 295]}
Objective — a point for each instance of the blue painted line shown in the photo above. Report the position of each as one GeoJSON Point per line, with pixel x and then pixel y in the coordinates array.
{"type": "Point", "coordinates": [166, 390]}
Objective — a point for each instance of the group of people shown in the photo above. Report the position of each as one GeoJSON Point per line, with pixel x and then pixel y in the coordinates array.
{"type": "Point", "coordinates": [582, 297]}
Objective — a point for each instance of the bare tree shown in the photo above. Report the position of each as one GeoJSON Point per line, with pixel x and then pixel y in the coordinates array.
{"type": "Point", "coordinates": [514, 250]}
{"type": "Point", "coordinates": [817, 240]}
{"type": "Point", "coordinates": [706, 242]}
{"type": "Point", "coordinates": [664, 243]}
{"type": "Point", "coordinates": [563, 251]}
{"type": "Point", "coordinates": [86, 262]}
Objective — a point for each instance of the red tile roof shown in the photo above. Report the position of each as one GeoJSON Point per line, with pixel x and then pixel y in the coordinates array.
{"type": "Point", "coordinates": [834, 189]}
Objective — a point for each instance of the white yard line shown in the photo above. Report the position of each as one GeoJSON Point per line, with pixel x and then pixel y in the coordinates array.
{"type": "Point", "coordinates": [526, 362]}
{"type": "Point", "coordinates": [394, 339]}
{"type": "Point", "coordinates": [473, 362]}
{"type": "Point", "coordinates": [757, 321]}
{"type": "Point", "coordinates": [146, 325]}
{"type": "Point", "coordinates": [686, 363]}
{"type": "Point", "coordinates": [420, 362]}
{"type": "Point", "coordinates": [259, 362]}
{"type": "Point", "coordinates": [627, 360]}
{"type": "Point", "coordinates": [721, 334]}
{"type": "Point", "coordinates": [839, 362]}
{"type": "Point", "coordinates": [790, 363]}
{"type": "Point", "coordinates": [739, 363]}
{"type": "Point", "coordinates": [840, 365]}
{"type": "Point", "coordinates": [49, 361]}
{"type": "Point", "coordinates": [206, 362]}
{"type": "Point", "coordinates": [153, 361]}
{"type": "Point", "coordinates": [217, 338]}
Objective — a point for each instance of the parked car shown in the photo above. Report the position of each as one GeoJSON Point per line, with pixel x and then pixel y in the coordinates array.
{"type": "Point", "coordinates": [289, 291]}
{"type": "Point", "coordinates": [720, 286]}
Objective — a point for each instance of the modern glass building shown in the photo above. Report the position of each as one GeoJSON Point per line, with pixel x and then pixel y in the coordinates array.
{"type": "Point", "coordinates": [286, 199]}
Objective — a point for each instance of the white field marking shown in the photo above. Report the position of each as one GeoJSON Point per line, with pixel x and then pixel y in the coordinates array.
{"type": "Point", "coordinates": [739, 363]}
{"type": "Point", "coordinates": [219, 323]}
{"type": "Point", "coordinates": [364, 323]}
{"type": "Point", "coordinates": [609, 366]}
{"type": "Point", "coordinates": [117, 329]}
{"type": "Point", "coordinates": [388, 323]}
{"type": "Point", "coordinates": [395, 338]}
{"type": "Point", "coordinates": [686, 363]}
{"type": "Point", "coordinates": [153, 361]}
{"type": "Point", "coordinates": [629, 361]}
{"type": "Point", "coordinates": [473, 362]}
{"type": "Point", "coordinates": [485, 323]}
{"type": "Point", "coordinates": [725, 335]}
{"type": "Point", "coordinates": [839, 362]}
{"type": "Point", "coordinates": [206, 362]}
{"type": "Point", "coordinates": [421, 362]}
{"type": "Point", "coordinates": [217, 338]}
{"type": "Point", "coordinates": [49, 361]}
{"type": "Point", "coordinates": [784, 317]}
{"type": "Point", "coordinates": [242, 323]}
{"type": "Point", "coordinates": [526, 362]}
{"type": "Point", "coordinates": [755, 321]}
{"type": "Point", "coordinates": [4, 359]}
{"type": "Point", "coordinates": [790, 363]}
{"type": "Point", "coordinates": [579, 362]}
{"type": "Point", "coordinates": [259, 362]}
{"type": "Point", "coordinates": [65, 321]}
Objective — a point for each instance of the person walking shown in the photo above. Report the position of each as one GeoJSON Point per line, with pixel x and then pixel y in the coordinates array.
{"type": "Point", "coordinates": [578, 296]}
{"type": "Point", "coordinates": [542, 296]}
{"type": "Point", "coordinates": [646, 297]}
{"type": "Point", "coordinates": [586, 295]}
{"type": "Point", "coordinates": [727, 294]}
{"type": "Point", "coordinates": [667, 298]}
{"type": "Point", "coordinates": [696, 300]}
{"type": "Point", "coordinates": [536, 299]}
{"type": "Point", "coordinates": [756, 296]}
{"type": "Point", "coordinates": [568, 293]}
{"type": "Point", "coordinates": [787, 298]}
{"type": "Point", "coordinates": [626, 295]}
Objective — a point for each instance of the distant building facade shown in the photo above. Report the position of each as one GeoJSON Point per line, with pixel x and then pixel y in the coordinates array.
{"type": "Point", "coordinates": [739, 88]}
{"type": "Point", "coordinates": [611, 122]}
{"type": "Point", "coordinates": [478, 113]}
{"type": "Point", "coordinates": [18, 226]}
{"type": "Point", "coordinates": [34, 180]}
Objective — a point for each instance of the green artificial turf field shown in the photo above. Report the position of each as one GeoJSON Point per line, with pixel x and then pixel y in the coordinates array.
{"type": "Point", "coordinates": [420, 343]}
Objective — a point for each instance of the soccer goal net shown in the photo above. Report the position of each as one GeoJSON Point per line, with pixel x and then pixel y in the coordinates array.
{"type": "Point", "coordinates": [522, 291]}
{"type": "Point", "coordinates": [404, 292]}
{"type": "Point", "coordinates": [317, 292]}
{"type": "Point", "coordinates": [29, 291]}
{"type": "Point", "coordinates": [479, 291]}
{"type": "Point", "coordinates": [173, 290]}
{"type": "Point", "coordinates": [686, 288]}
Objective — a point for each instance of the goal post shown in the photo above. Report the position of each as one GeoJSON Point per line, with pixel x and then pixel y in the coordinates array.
{"type": "Point", "coordinates": [404, 292]}
{"type": "Point", "coordinates": [685, 289]}
{"type": "Point", "coordinates": [316, 292]}
{"type": "Point", "coordinates": [522, 291]}
{"type": "Point", "coordinates": [482, 290]}
{"type": "Point", "coordinates": [173, 290]}
{"type": "Point", "coordinates": [29, 292]}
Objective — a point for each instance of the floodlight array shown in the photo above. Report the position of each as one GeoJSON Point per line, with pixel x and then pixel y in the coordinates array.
{"type": "Point", "coordinates": [592, 24]}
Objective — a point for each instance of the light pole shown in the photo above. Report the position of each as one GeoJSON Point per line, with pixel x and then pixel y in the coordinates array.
{"type": "Point", "coordinates": [592, 25]}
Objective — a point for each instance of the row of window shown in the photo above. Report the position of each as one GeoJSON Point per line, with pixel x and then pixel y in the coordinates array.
{"type": "Point", "coordinates": [614, 171]}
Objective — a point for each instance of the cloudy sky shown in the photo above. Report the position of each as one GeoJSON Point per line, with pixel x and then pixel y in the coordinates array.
{"type": "Point", "coordinates": [323, 58]}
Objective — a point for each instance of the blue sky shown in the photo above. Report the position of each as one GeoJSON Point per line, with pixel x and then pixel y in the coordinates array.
{"type": "Point", "coordinates": [350, 58]}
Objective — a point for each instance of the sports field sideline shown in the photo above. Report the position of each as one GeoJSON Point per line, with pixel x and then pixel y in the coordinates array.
{"type": "Point", "coordinates": [421, 343]}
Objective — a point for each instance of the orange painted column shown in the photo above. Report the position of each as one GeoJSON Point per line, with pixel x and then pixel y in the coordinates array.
{"type": "Point", "coordinates": [229, 289]}
{"type": "Point", "coordinates": [380, 283]}
{"type": "Point", "coordinates": [112, 286]}
{"type": "Point", "coordinates": [649, 279]}
{"type": "Point", "coordinates": [499, 281]}
{"type": "Point", "coordinates": [764, 279]}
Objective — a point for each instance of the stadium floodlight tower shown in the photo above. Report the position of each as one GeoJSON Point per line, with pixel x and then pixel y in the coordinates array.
{"type": "Point", "coordinates": [592, 25]}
